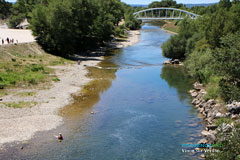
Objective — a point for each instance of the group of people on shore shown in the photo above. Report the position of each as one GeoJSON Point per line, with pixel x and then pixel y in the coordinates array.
{"type": "Point", "coordinates": [7, 41]}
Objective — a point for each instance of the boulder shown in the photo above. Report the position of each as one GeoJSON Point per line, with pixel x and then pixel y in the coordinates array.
{"type": "Point", "coordinates": [202, 141]}
{"type": "Point", "coordinates": [198, 86]}
{"type": "Point", "coordinates": [211, 137]}
{"type": "Point", "coordinates": [235, 116]}
{"type": "Point", "coordinates": [167, 62]}
{"type": "Point", "coordinates": [176, 61]}
{"type": "Point", "coordinates": [211, 127]}
{"type": "Point", "coordinates": [211, 102]}
{"type": "Point", "coordinates": [224, 128]}
{"type": "Point", "coordinates": [205, 133]}
{"type": "Point", "coordinates": [194, 94]}
{"type": "Point", "coordinates": [219, 115]}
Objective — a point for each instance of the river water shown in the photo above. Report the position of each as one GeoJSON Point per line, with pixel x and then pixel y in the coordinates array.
{"type": "Point", "coordinates": [142, 111]}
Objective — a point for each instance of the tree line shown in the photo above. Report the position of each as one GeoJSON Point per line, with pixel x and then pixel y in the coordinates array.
{"type": "Point", "coordinates": [210, 48]}
{"type": "Point", "coordinates": [66, 27]}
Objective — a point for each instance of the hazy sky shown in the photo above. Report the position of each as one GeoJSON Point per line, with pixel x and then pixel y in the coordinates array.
{"type": "Point", "coordinates": [149, 1]}
{"type": "Point", "coordinates": [178, 1]}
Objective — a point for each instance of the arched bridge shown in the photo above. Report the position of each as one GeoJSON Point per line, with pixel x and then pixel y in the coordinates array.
{"type": "Point", "coordinates": [164, 14]}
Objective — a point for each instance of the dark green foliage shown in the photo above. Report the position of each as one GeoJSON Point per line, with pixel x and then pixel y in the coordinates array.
{"type": "Point", "coordinates": [175, 47]}
{"type": "Point", "coordinates": [165, 3]}
{"type": "Point", "coordinates": [227, 58]}
{"type": "Point", "coordinates": [22, 9]}
{"type": "Point", "coordinates": [211, 47]}
{"type": "Point", "coordinates": [69, 27]}
{"type": "Point", "coordinates": [5, 9]}
{"type": "Point", "coordinates": [199, 65]}
{"type": "Point", "coordinates": [131, 22]}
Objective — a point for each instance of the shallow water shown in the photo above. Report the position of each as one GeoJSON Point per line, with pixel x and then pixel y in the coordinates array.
{"type": "Point", "coordinates": [142, 111]}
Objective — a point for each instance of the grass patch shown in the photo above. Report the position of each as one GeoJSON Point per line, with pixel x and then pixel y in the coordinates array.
{"type": "Point", "coordinates": [220, 121]}
{"type": "Point", "coordinates": [56, 79]}
{"type": "Point", "coordinates": [212, 88]}
{"type": "Point", "coordinates": [27, 64]}
{"type": "Point", "coordinates": [3, 93]}
{"type": "Point", "coordinates": [16, 74]}
{"type": "Point", "coordinates": [20, 104]}
{"type": "Point", "coordinates": [26, 94]}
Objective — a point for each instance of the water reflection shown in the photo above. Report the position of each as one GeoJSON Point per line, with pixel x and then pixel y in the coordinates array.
{"type": "Point", "coordinates": [176, 77]}
{"type": "Point", "coordinates": [90, 94]}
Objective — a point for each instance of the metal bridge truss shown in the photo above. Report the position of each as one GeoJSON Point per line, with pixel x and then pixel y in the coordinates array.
{"type": "Point", "coordinates": [164, 14]}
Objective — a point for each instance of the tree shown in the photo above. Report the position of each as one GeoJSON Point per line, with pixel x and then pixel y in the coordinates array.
{"type": "Point", "coordinates": [227, 58]}
{"type": "Point", "coordinates": [225, 4]}
{"type": "Point", "coordinates": [69, 27]}
{"type": "Point", "coordinates": [22, 9]}
{"type": "Point", "coordinates": [164, 3]}
{"type": "Point", "coordinates": [5, 9]}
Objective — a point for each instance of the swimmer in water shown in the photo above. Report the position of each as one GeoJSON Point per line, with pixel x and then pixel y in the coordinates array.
{"type": "Point", "coordinates": [59, 137]}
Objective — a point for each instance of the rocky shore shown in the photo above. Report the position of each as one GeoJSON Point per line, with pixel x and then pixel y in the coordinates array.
{"type": "Point", "coordinates": [213, 111]}
{"type": "Point", "coordinates": [173, 61]}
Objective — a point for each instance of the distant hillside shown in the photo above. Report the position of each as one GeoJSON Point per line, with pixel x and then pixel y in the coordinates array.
{"type": "Point", "coordinates": [138, 5]}
{"type": "Point", "coordinates": [202, 4]}
{"type": "Point", "coordinates": [187, 5]}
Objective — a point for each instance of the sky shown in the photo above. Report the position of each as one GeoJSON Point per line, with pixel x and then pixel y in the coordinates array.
{"type": "Point", "coordinates": [149, 1]}
{"type": "Point", "coordinates": [178, 1]}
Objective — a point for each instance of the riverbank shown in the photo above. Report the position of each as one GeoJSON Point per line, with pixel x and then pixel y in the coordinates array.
{"type": "Point", "coordinates": [221, 119]}
{"type": "Point", "coordinates": [170, 27]}
{"type": "Point", "coordinates": [21, 124]}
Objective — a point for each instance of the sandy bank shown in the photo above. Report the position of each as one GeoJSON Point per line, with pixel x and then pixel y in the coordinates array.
{"type": "Point", "coordinates": [19, 125]}
{"type": "Point", "coordinates": [20, 35]}
{"type": "Point", "coordinates": [133, 38]}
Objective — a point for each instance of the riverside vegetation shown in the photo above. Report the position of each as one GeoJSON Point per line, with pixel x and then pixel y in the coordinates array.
{"type": "Point", "coordinates": [62, 28]}
{"type": "Point", "coordinates": [209, 47]}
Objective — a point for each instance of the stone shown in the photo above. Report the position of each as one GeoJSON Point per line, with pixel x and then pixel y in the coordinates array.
{"type": "Point", "coordinates": [201, 110]}
{"type": "Point", "coordinates": [237, 121]}
{"type": "Point", "coordinates": [211, 127]}
{"type": "Point", "coordinates": [167, 62]}
{"type": "Point", "coordinates": [194, 94]}
{"type": "Point", "coordinates": [202, 141]}
{"type": "Point", "coordinates": [211, 137]}
{"type": "Point", "coordinates": [198, 86]}
{"type": "Point", "coordinates": [176, 61]}
{"type": "Point", "coordinates": [204, 133]}
{"type": "Point", "coordinates": [219, 115]}
{"type": "Point", "coordinates": [211, 102]}
{"type": "Point", "coordinates": [225, 128]}
{"type": "Point", "coordinates": [235, 116]}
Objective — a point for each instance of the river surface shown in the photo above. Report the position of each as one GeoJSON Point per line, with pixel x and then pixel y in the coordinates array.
{"type": "Point", "coordinates": [142, 111]}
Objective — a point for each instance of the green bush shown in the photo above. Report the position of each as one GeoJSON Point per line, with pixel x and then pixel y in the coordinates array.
{"type": "Point", "coordinates": [230, 149]}
{"type": "Point", "coordinates": [174, 48]}
{"type": "Point", "coordinates": [213, 91]}
{"type": "Point", "coordinates": [200, 65]}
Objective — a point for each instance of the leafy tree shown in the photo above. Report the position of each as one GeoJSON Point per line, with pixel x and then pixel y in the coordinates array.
{"type": "Point", "coordinates": [225, 4]}
{"type": "Point", "coordinates": [164, 3]}
{"type": "Point", "coordinates": [21, 10]}
{"type": "Point", "coordinates": [68, 27]}
{"type": "Point", "coordinates": [227, 58]}
{"type": "Point", "coordinates": [5, 9]}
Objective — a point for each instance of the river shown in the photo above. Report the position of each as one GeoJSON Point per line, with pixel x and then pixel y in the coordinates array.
{"type": "Point", "coordinates": [141, 108]}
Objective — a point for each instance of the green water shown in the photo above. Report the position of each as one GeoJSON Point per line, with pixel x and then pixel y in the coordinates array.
{"type": "Point", "coordinates": [142, 111]}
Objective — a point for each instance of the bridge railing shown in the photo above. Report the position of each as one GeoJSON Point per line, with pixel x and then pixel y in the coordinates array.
{"type": "Point", "coordinates": [164, 13]}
